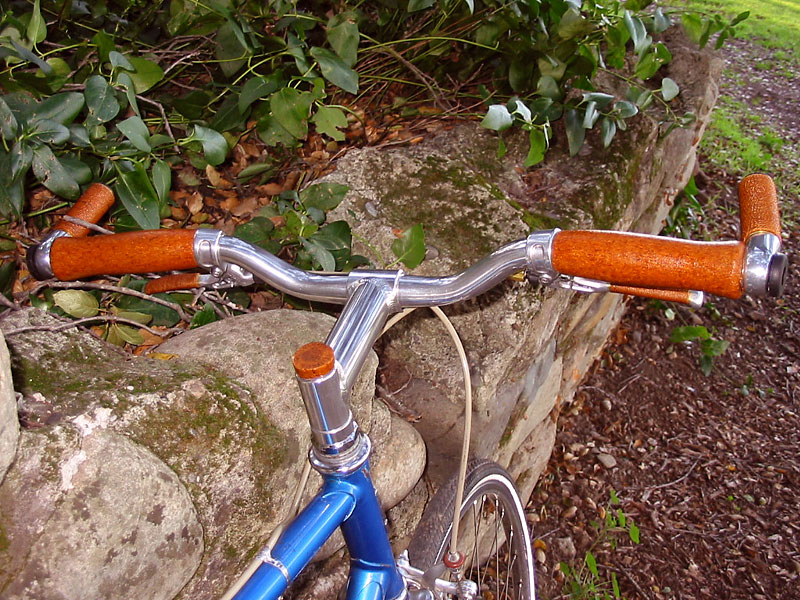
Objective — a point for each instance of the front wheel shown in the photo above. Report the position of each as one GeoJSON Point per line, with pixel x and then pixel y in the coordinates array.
{"type": "Point", "coordinates": [493, 537]}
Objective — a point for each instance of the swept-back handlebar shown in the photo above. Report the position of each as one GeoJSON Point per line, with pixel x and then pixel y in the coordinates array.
{"type": "Point", "coordinates": [586, 261]}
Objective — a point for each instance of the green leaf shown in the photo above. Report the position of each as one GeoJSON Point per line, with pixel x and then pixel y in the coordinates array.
{"type": "Point", "coordinates": [104, 43]}
{"type": "Point", "coordinates": [625, 109]}
{"type": "Point", "coordinates": [573, 25]}
{"type": "Point", "coordinates": [329, 121]}
{"type": "Point", "coordinates": [8, 273]}
{"type": "Point", "coordinates": [409, 248]}
{"type": "Point", "coordinates": [258, 232]}
{"type": "Point", "coordinates": [8, 122]}
{"type": "Point", "coordinates": [661, 22]}
{"type": "Point", "coordinates": [324, 196]}
{"type": "Point", "coordinates": [204, 317]}
{"type": "Point", "coordinates": [547, 86]}
{"type": "Point", "coordinates": [162, 180]}
{"type": "Point", "coordinates": [591, 563]}
{"type": "Point", "coordinates": [160, 315]}
{"type": "Point", "coordinates": [290, 108]}
{"type": "Point", "coordinates": [497, 118]}
{"type": "Point", "coordinates": [342, 33]}
{"type": "Point", "coordinates": [417, 5]}
{"type": "Point", "coordinates": [335, 70]}
{"type": "Point", "coordinates": [269, 168]}
{"type": "Point", "coordinates": [575, 131]}
{"type": "Point", "coordinates": [693, 25]}
{"type": "Point", "coordinates": [228, 115]}
{"type": "Point", "coordinates": [145, 74]}
{"type": "Point", "coordinates": [636, 28]}
{"type": "Point", "coordinates": [687, 333]}
{"type": "Point", "coordinates": [258, 87]}
{"type": "Point", "coordinates": [321, 255]}
{"type": "Point", "coordinates": [52, 174]}
{"type": "Point", "coordinates": [232, 49]}
{"type": "Point", "coordinates": [132, 315]}
{"type": "Point", "coordinates": [128, 334]}
{"type": "Point", "coordinates": [633, 532]}
{"type": "Point", "coordinates": [590, 115]}
{"type": "Point", "coordinates": [124, 80]}
{"type": "Point", "coordinates": [21, 156]}
{"type": "Point", "coordinates": [137, 133]}
{"type": "Point", "coordinates": [740, 17]}
{"type": "Point", "coordinates": [609, 130]}
{"type": "Point", "coordinates": [79, 170]}
{"type": "Point", "coordinates": [37, 29]}
{"type": "Point", "coordinates": [101, 102]}
{"type": "Point", "coordinates": [215, 147]}
{"type": "Point", "coordinates": [669, 89]}
{"type": "Point", "coordinates": [337, 239]}
{"type": "Point", "coordinates": [537, 149]}
{"type": "Point", "coordinates": [77, 303]}
{"type": "Point", "coordinates": [134, 190]}
{"type": "Point", "coordinates": [61, 108]}
{"type": "Point", "coordinates": [120, 61]}
{"type": "Point", "coordinates": [45, 131]}
{"type": "Point", "coordinates": [712, 347]}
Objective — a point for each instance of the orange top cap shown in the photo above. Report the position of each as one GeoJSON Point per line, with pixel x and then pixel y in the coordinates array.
{"type": "Point", "coordinates": [313, 360]}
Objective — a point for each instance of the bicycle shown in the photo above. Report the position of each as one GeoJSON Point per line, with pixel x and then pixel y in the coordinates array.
{"type": "Point", "coordinates": [437, 563]}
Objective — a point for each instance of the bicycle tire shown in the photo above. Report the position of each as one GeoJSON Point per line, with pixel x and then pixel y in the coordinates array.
{"type": "Point", "coordinates": [504, 570]}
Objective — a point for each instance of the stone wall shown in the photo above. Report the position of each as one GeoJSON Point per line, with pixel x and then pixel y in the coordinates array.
{"type": "Point", "coordinates": [146, 478]}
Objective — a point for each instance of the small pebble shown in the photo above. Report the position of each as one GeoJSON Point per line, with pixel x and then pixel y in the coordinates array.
{"type": "Point", "coordinates": [608, 461]}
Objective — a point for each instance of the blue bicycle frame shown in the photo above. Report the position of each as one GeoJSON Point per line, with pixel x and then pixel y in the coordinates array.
{"type": "Point", "coordinates": [340, 453]}
{"type": "Point", "coordinates": [348, 502]}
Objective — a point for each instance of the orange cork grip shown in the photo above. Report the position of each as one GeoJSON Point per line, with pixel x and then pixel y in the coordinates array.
{"type": "Point", "coordinates": [168, 283]}
{"type": "Point", "coordinates": [91, 206]}
{"type": "Point", "coordinates": [758, 206]}
{"type": "Point", "coordinates": [134, 252]}
{"type": "Point", "coordinates": [647, 261]}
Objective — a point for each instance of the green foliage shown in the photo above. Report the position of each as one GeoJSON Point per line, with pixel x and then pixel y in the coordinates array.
{"type": "Point", "coordinates": [710, 348]}
{"type": "Point", "coordinates": [585, 580]}
{"type": "Point", "coordinates": [301, 228]}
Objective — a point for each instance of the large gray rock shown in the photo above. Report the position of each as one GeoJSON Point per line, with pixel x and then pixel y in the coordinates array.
{"type": "Point", "coordinates": [9, 424]}
{"type": "Point", "coordinates": [202, 451]}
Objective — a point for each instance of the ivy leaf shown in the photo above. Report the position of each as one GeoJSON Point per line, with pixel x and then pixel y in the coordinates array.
{"type": "Point", "coordinates": [120, 61]}
{"type": "Point", "coordinates": [52, 173]}
{"type": "Point", "coordinates": [497, 118]}
{"type": "Point", "coordinates": [409, 248]}
{"type": "Point", "coordinates": [416, 5]}
{"type": "Point", "coordinates": [336, 238]}
{"type": "Point", "coordinates": [231, 48]}
{"type": "Point", "coordinates": [547, 86]}
{"type": "Point", "coordinates": [126, 334]}
{"type": "Point", "coordinates": [342, 33]}
{"type": "Point", "coordinates": [101, 102]}
{"type": "Point", "coordinates": [669, 89]}
{"type": "Point", "coordinates": [137, 133]}
{"type": "Point", "coordinates": [634, 25]}
{"type": "Point", "coordinates": [323, 196]}
{"type": "Point", "coordinates": [77, 303]}
{"type": "Point", "coordinates": [693, 25]}
{"type": "Point", "coordinates": [159, 314]}
{"type": "Point", "coordinates": [661, 22]}
{"type": "Point", "coordinates": [575, 131]}
{"type": "Point", "coordinates": [204, 317]}
{"type": "Point", "coordinates": [625, 109]}
{"type": "Point", "coordinates": [290, 108]}
{"type": "Point", "coordinates": [215, 146]}
{"type": "Point", "coordinates": [61, 108]}
{"type": "Point", "coordinates": [124, 80]}
{"type": "Point", "coordinates": [335, 70]}
{"type": "Point", "coordinates": [572, 25]}
{"type": "Point", "coordinates": [132, 315]}
{"type": "Point", "coordinates": [258, 232]}
{"type": "Point", "coordinates": [8, 122]}
{"type": "Point", "coordinates": [145, 74]}
{"type": "Point", "coordinates": [37, 29]}
{"type": "Point", "coordinates": [162, 179]}
{"type": "Point", "coordinates": [609, 130]}
{"type": "Point", "coordinates": [538, 142]}
{"type": "Point", "coordinates": [258, 87]}
{"type": "Point", "coordinates": [45, 131]}
{"type": "Point", "coordinates": [320, 254]}
{"type": "Point", "coordinates": [134, 190]}
{"type": "Point", "coordinates": [329, 121]}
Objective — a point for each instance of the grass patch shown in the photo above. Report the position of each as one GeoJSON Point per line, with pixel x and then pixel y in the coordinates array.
{"type": "Point", "coordinates": [772, 23]}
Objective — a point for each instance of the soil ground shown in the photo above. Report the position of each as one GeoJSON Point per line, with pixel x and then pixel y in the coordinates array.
{"type": "Point", "coordinates": [705, 466]}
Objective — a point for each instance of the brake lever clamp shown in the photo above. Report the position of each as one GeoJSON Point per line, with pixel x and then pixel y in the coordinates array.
{"type": "Point", "coordinates": [580, 284]}
{"type": "Point", "coordinates": [227, 276]}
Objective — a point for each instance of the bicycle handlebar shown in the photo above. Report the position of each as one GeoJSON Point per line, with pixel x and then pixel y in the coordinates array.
{"type": "Point", "coordinates": [630, 263]}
